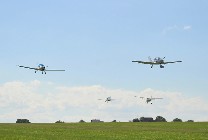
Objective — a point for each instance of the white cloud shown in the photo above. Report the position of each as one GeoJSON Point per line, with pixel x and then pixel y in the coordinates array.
{"type": "Point", "coordinates": [169, 29]}
{"type": "Point", "coordinates": [187, 27]}
{"type": "Point", "coordinates": [51, 103]}
{"type": "Point", "coordinates": [35, 83]}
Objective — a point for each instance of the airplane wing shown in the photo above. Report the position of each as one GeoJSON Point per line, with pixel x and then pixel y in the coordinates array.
{"type": "Point", "coordinates": [172, 62]}
{"type": "Point", "coordinates": [156, 98]}
{"type": "Point", "coordinates": [26, 67]}
{"type": "Point", "coordinates": [143, 62]}
{"type": "Point", "coordinates": [54, 70]}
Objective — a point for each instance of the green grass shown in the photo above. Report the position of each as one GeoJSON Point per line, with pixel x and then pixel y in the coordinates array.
{"type": "Point", "coordinates": [105, 131]}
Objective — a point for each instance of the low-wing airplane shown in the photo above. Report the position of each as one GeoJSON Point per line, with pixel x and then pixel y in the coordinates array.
{"type": "Point", "coordinates": [156, 61]}
{"type": "Point", "coordinates": [108, 99]}
{"type": "Point", "coordinates": [40, 67]}
{"type": "Point", "coordinates": [150, 99]}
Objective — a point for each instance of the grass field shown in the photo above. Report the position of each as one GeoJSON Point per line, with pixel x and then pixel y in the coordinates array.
{"type": "Point", "coordinates": [105, 131]}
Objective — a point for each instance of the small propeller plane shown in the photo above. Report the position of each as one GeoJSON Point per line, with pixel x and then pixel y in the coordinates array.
{"type": "Point", "coordinates": [150, 99]}
{"type": "Point", "coordinates": [40, 67]}
{"type": "Point", "coordinates": [108, 99]}
{"type": "Point", "coordinates": [156, 61]}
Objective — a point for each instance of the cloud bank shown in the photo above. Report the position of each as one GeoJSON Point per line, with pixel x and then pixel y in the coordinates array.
{"type": "Point", "coordinates": [48, 102]}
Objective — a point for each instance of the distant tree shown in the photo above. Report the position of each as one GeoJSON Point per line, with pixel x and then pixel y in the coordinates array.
{"type": "Point", "coordinates": [81, 121]}
{"type": "Point", "coordinates": [146, 119]}
{"type": "Point", "coordinates": [141, 119]}
{"type": "Point", "coordinates": [22, 121]}
{"type": "Point", "coordinates": [59, 121]}
{"type": "Point", "coordinates": [190, 121]}
{"type": "Point", "coordinates": [136, 120]}
{"type": "Point", "coordinates": [160, 119]}
{"type": "Point", "coordinates": [177, 120]}
{"type": "Point", "coordinates": [114, 121]}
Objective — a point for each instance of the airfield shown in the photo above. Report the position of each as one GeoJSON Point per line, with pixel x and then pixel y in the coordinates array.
{"type": "Point", "coordinates": [106, 131]}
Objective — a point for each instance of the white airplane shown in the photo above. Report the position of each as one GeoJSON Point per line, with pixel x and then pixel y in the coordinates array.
{"type": "Point", "coordinates": [156, 61]}
{"type": "Point", "coordinates": [108, 99]}
{"type": "Point", "coordinates": [150, 99]}
{"type": "Point", "coordinates": [40, 67]}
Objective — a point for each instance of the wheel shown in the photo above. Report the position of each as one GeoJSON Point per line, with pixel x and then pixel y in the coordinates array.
{"type": "Point", "coordinates": [161, 66]}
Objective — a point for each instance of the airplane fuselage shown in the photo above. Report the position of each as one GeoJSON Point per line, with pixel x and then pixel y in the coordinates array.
{"type": "Point", "coordinates": [108, 99]}
{"type": "Point", "coordinates": [158, 61]}
{"type": "Point", "coordinates": [40, 67]}
{"type": "Point", "coordinates": [148, 100]}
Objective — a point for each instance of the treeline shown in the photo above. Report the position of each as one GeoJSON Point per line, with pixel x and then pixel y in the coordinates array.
{"type": "Point", "coordinates": [157, 119]}
{"type": "Point", "coordinates": [141, 119]}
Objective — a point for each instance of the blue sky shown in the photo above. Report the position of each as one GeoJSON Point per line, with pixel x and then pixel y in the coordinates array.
{"type": "Point", "coordinates": [95, 41]}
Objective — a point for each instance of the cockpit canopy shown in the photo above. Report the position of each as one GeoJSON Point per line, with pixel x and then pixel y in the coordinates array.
{"type": "Point", "coordinates": [157, 59]}
{"type": "Point", "coordinates": [41, 66]}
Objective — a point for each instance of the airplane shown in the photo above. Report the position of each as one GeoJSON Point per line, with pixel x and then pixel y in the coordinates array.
{"type": "Point", "coordinates": [150, 99]}
{"type": "Point", "coordinates": [156, 61]}
{"type": "Point", "coordinates": [40, 67]}
{"type": "Point", "coordinates": [108, 99]}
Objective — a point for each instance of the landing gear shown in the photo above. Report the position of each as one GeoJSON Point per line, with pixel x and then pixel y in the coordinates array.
{"type": "Point", "coordinates": [151, 66]}
{"type": "Point", "coordinates": [35, 71]}
{"type": "Point", "coordinates": [43, 72]}
{"type": "Point", "coordinates": [161, 66]}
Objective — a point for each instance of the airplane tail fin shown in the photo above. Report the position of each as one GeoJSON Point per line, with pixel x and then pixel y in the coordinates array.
{"type": "Point", "coordinates": [150, 59]}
